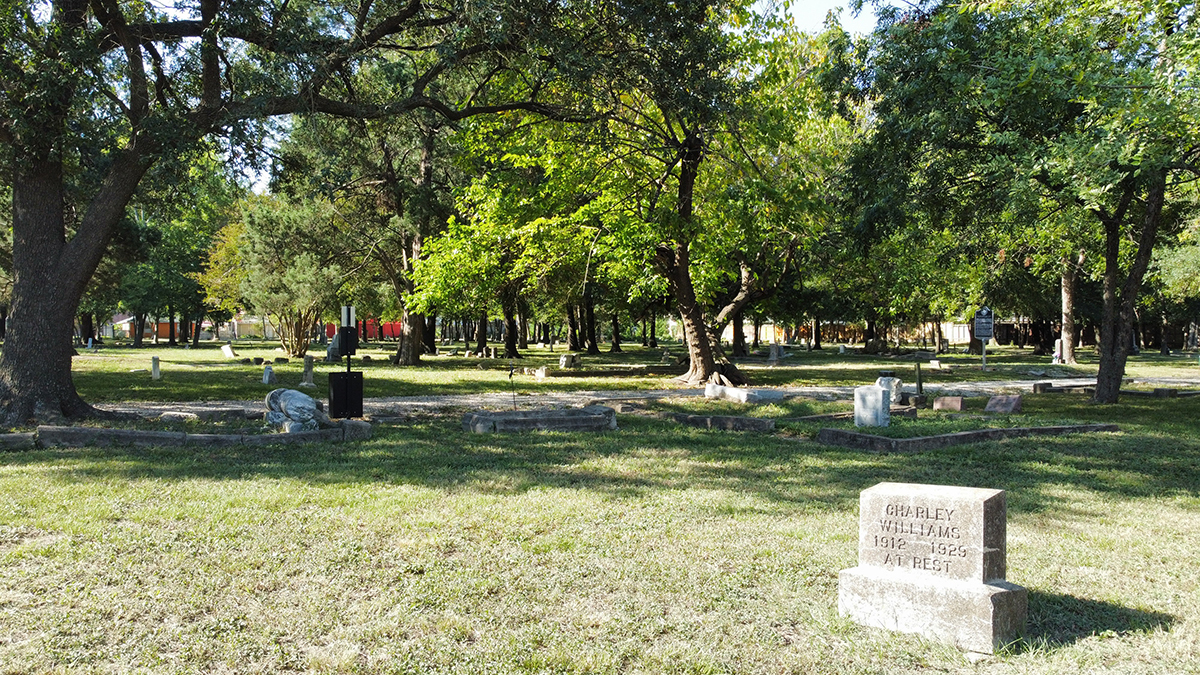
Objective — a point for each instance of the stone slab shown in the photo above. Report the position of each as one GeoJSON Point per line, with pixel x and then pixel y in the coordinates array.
{"type": "Point", "coordinates": [227, 350]}
{"type": "Point", "coordinates": [859, 441]}
{"type": "Point", "coordinates": [727, 422]}
{"type": "Point", "coordinates": [951, 403]}
{"type": "Point", "coordinates": [213, 440]}
{"type": "Point", "coordinates": [742, 395]}
{"type": "Point", "coordinates": [972, 616]}
{"type": "Point", "coordinates": [588, 418]}
{"type": "Point", "coordinates": [356, 430]}
{"type": "Point", "coordinates": [84, 436]}
{"type": "Point", "coordinates": [318, 436]}
{"type": "Point", "coordinates": [1003, 404]}
{"type": "Point", "coordinates": [18, 441]}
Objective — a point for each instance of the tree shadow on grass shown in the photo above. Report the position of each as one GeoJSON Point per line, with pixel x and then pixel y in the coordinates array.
{"type": "Point", "coordinates": [1057, 621]}
{"type": "Point", "coordinates": [647, 455]}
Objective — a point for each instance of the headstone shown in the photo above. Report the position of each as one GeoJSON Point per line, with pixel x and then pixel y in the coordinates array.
{"type": "Point", "coordinates": [1041, 387]}
{"type": "Point", "coordinates": [569, 361]}
{"type": "Point", "coordinates": [541, 345]}
{"type": "Point", "coordinates": [950, 403]}
{"type": "Point", "coordinates": [540, 373]}
{"type": "Point", "coordinates": [739, 395]}
{"type": "Point", "coordinates": [1058, 351]}
{"type": "Point", "coordinates": [268, 375]}
{"type": "Point", "coordinates": [892, 385]}
{"type": "Point", "coordinates": [935, 364]}
{"type": "Point", "coordinates": [89, 343]}
{"type": "Point", "coordinates": [872, 406]}
{"type": "Point", "coordinates": [258, 361]}
{"type": "Point", "coordinates": [155, 374]}
{"type": "Point", "coordinates": [281, 359]}
{"type": "Point", "coordinates": [1003, 404]}
{"type": "Point", "coordinates": [931, 561]}
{"type": "Point", "coordinates": [841, 349]}
{"type": "Point", "coordinates": [308, 372]}
{"type": "Point", "coordinates": [227, 350]}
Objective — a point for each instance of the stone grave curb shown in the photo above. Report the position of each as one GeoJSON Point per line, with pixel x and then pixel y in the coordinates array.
{"type": "Point", "coordinates": [859, 441]}
{"type": "Point", "coordinates": [76, 437]}
{"type": "Point", "coordinates": [724, 422]}
{"type": "Point", "coordinates": [589, 418]}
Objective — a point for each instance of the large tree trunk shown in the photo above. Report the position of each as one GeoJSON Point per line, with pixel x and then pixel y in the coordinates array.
{"type": "Point", "coordinates": [511, 330]}
{"type": "Point", "coordinates": [1120, 304]}
{"type": "Point", "coordinates": [615, 343]}
{"type": "Point", "coordinates": [50, 274]}
{"type": "Point", "coordinates": [815, 343]}
{"type": "Point", "coordinates": [481, 333]}
{"type": "Point", "coordinates": [738, 348]}
{"type": "Point", "coordinates": [572, 329]}
{"type": "Point", "coordinates": [430, 334]}
{"type": "Point", "coordinates": [87, 329]}
{"type": "Point", "coordinates": [412, 338]}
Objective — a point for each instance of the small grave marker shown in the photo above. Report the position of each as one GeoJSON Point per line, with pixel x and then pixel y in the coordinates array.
{"type": "Point", "coordinates": [155, 374]}
{"type": "Point", "coordinates": [951, 403]}
{"type": "Point", "coordinates": [308, 372]}
{"type": "Point", "coordinates": [931, 561]}
{"type": "Point", "coordinates": [1003, 404]}
{"type": "Point", "coordinates": [268, 375]}
{"type": "Point", "coordinates": [227, 350]}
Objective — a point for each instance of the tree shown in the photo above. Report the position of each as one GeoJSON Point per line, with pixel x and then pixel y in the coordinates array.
{"type": "Point", "coordinates": [1089, 105]}
{"type": "Point", "coordinates": [96, 93]}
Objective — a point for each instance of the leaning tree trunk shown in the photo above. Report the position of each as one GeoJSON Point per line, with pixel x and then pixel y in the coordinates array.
{"type": "Point", "coordinates": [1120, 304]}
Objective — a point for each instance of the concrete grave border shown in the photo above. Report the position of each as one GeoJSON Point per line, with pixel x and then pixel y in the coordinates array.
{"type": "Point", "coordinates": [77, 437]}
{"type": "Point", "coordinates": [859, 441]}
{"type": "Point", "coordinates": [724, 422]}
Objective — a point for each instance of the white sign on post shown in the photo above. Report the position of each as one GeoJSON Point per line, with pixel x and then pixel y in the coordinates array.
{"type": "Point", "coordinates": [983, 329]}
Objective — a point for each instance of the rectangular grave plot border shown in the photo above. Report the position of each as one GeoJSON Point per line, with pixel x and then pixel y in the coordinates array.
{"type": "Point", "coordinates": [882, 444]}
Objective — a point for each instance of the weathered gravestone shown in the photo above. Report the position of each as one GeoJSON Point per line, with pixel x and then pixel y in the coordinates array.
{"type": "Point", "coordinates": [1003, 404]}
{"type": "Point", "coordinates": [308, 372]}
{"type": "Point", "coordinates": [951, 403]}
{"type": "Point", "coordinates": [931, 561]}
{"type": "Point", "coordinates": [227, 350]}
{"type": "Point", "coordinates": [154, 371]}
{"type": "Point", "coordinates": [269, 375]}
{"type": "Point", "coordinates": [892, 384]}
{"type": "Point", "coordinates": [872, 406]}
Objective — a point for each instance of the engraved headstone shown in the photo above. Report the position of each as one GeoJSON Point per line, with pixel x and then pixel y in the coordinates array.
{"type": "Point", "coordinates": [951, 403]}
{"type": "Point", "coordinates": [1003, 404]}
{"type": "Point", "coordinates": [931, 561]}
{"type": "Point", "coordinates": [872, 406]}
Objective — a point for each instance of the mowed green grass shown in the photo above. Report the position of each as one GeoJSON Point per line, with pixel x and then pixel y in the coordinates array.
{"type": "Point", "coordinates": [653, 549]}
{"type": "Point", "coordinates": [205, 374]}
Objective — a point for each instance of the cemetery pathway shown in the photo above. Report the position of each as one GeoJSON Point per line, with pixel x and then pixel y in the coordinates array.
{"type": "Point", "coordinates": [404, 405]}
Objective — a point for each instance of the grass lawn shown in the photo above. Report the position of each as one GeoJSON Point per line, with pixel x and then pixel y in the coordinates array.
{"type": "Point", "coordinates": [657, 548]}
{"type": "Point", "coordinates": [204, 374]}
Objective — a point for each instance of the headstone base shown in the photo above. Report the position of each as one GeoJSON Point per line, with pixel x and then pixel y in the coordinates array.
{"type": "Point", "coordinates": [973, 616]}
